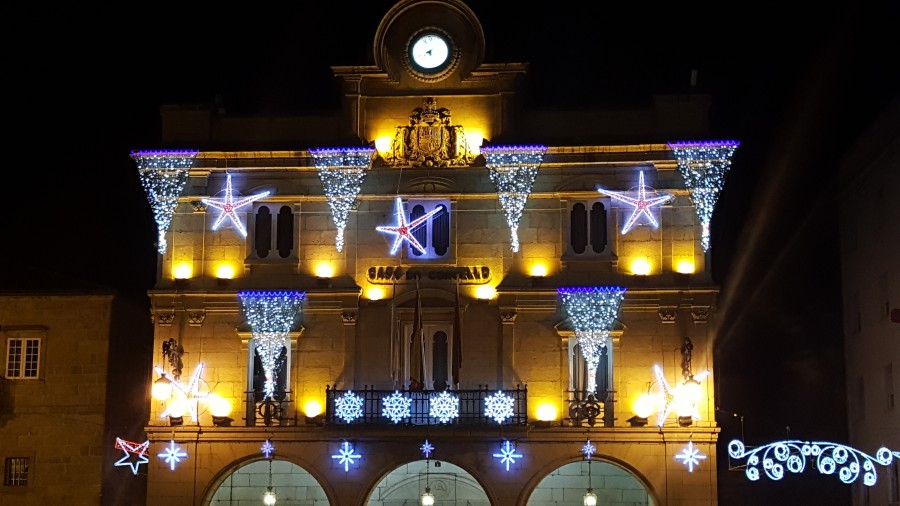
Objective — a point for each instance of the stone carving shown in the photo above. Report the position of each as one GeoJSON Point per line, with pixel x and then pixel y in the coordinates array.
{"type": "Point", "coordinates": [509, 317]}
{"type": "Point", "coordinates": [199, 206]}
{"type": "Point", "coordinates": [700, 314]}
{"type": "Point", "coordinates": [429, 140]}
{"type": "Point", "coordinates": [349, 317]}
{"type": "Point", "coordinates": [165, 318]}
{"type": "Point", "coordinates": [196, 317]}
{"type": "Point", "coordinates": [667, 314]}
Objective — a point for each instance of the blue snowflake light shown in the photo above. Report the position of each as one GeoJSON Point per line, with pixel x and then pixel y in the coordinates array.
{"type": "Point", "coordinates": [173, 454]}
{"type": "Point", "coordinates": [513, 170]}
{"type": "Point", "coordinates": [346, 456]}
{"type": "Point", "coordinates": [593, 311]}
{"type": "Point", "coordinates": [396, 406]}
{"type": "Point", "coordinates": [690, 456]}
{"type": "Point", "coordinates": [342, 172]}
{"type": "Point", "coordinates": [271, 315]}
{"type": "Point", "coordinates": [348, 406]}
{"type": "Point", "coordinates": [498, 406]}
{"type": "Point", "coordinates": [507, 454]}
{"type": "Point", "coordinates": [444, 407]}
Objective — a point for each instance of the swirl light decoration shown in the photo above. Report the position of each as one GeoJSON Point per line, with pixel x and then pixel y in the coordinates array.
{"type": "Point", "coordinates": [163, 175]}
{"type": "Point", "coordinates": [703, 165]}
{"type": "Point", "coordinates": [593, 311]}
{"type": "Point", "coordinates": [513, 170]}
{"type": "Point", "coordinates": [830, 458]}
{"type": "Point", "coordinates": [342, 171]}
{"type": "Point", "coordinates": [271, 315]}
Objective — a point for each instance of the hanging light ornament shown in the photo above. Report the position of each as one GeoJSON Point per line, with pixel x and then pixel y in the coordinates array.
{"type": "Point", "coordinates": [342, 171]}
{"type": "Point", "coordinates": [270, 315]}
{"type": "Point", "coordinates": [703, 166]}
{"type": "Point", "coordinates": [513, 170]}
{"type": "Point", "coordinates": [592, 311]}
{"type": "Point", "coordinates": [163, 175]}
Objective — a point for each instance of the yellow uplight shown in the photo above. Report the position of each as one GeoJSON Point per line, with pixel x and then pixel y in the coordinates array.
{"type": "Point", "coordinates": [182, 271]}
{"type": "Point", "coordinates": [485, 292]}
{"type": "Point", "coordinates": [178, 406]}
{"type": "Point", "coordinates": [640, 266]}
{"type": "Point", "coordinates": [538, 270]}
{"type": "Point", "coordinates": [375, 293]}
{"type": "Point", "coordinates": [685, 267]}
{"type": "Point", "coordinates": [312, 408]}
{"type": "Point", "coordinates": [645, 405]}
{"type": "Point", "coordinates": [474, 139]}
{"type": "Point", "coordinates": [225, 271]}
{"type": "Point", "coordinates": [546, 412]}
{"type": "Point", "coordinates": [218, 405]}
{"type": "Point", "coordinates": [383, 144]}
{"type": "Point", "coordinates": [324, 270]}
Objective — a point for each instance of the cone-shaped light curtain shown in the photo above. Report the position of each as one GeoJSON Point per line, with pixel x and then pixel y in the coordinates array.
{"type": "Point", "coordinates": [513, 170]}
{"type": "Point", "coordinates": [592, 310]}
{"type": "Point", "coordinates": [342, 171]}
{"type": "Point", "coordinates": [271, 315]}
{"type": "Point", "coordinates": [163, 175]}
{"type": "Point", "coordinates": [703, 165]}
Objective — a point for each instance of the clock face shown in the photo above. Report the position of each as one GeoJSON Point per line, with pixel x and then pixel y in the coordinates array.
{"type": "Point", "coordinates": [430, 51]}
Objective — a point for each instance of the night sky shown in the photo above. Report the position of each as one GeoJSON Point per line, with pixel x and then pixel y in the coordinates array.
{"type": "Point", "coordinates": [85, 88]}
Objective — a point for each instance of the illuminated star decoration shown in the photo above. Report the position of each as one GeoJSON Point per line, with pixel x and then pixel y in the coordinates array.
{"type": "Point", "coordinates": [191, 392]}
{"type": "Point", "coordinates": [670, 398]}
{"type": "Point", "coordinates": [404, 230]}
{"type": "Point", "coordinates": [173, 454]}
{"type": "Point", "coordinates": [641, 204]}
{"type": "Point", "coordinates": [163, 175]}
{"type": "Point", "coordinates": [267, 449]}
{"type": "Point", "coordinates": [396, 406]}
{"type": "Point", "coordinates": [228, 206]}
{"type": "Point", "coordinates": [507, 454]}
{"type": "Point", "coordinates": [342, 171]}
{"type": "Point", "coordinates": [513, 170]}
{"type": "Point", "coordinates": [498, 406]}
{"type": "Point", "coordinates": [690, 456]}
{"type": "Point", "coordinates": [139, 449]}
{"type": "Point", "coordinates": [588, 449]}
{"type": "Point", "coordinates": [427, 448]}
{"type": "Point", "coordinates": [346, 456]}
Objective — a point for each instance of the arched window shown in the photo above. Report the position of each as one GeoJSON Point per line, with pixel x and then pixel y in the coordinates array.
{"type": "Point", "coordinates": [434, 233]}
{"type": "Point", "coordinates": [262, 232]}
{"type": "Point", "coordinates": [578, 228]}
{"type": "Point", "coordinates": [588, 225]}
{"type": "Point", "coordinates": [273, 229]}
{"type": "Point", "coordinates": [598, 227]}
{"type": "Point", "coordinates": [439, 359]}
{"type": "Point", "coordinates": [285, 232]}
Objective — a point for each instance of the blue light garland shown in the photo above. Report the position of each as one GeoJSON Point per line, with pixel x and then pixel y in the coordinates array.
{"type": "Point", "coordinates": [513, 170]}
{"type": "Point", "coordinates": [342, 172]}
{"type": "Point", "coordinates": [593, 311]}
{"type": "Point", "coordinates": [271, 315]}
{"type": "Point", "coordinates": [163, 175]}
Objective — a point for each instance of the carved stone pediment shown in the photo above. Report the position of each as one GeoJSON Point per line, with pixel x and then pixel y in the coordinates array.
{"type": "Point", "coordinates": [429, 140]}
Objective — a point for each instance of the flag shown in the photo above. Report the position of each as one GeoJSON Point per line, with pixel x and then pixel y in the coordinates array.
{"type": "Point", "coordinates": [417, 347]}
{"type": "Point", "coordinates": [457, 340]}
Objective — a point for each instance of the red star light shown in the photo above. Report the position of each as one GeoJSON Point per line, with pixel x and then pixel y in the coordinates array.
{"type": "Point", "coordinates": [228, 206]}
{"type": "Point", "coordinates": [641, 204]}
{"type": "Point", "coordinates": [404, 230]}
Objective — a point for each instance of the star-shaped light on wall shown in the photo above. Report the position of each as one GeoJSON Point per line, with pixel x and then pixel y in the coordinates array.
{"type": "Point", "coordinates": [670, 398]}
{"type": "Point", "coordinates": [228, 206]}
{"type": "Point", "coordinates": [404, 230]}
{"type": "Point", "coordinates": [427, 448]}
{"type": "Point", "coordinates": [641, 204]}
{"type": "Point", "coordinates": [173, 454]}
{"type": "Point", "coordinates": [690, 456]}
{"type": "Point", "coordinates": [507, 454]}
{"type": "Point", "coordinates": [191, 392]}
{"type": "Point", "coordinates": [588, 449]}
{"type": "Point", "coordinates": [267, 449]}
{"type": "Point", "coordinates": [139, 449]}
{"type": "Point", "coordinates": [345, 456]}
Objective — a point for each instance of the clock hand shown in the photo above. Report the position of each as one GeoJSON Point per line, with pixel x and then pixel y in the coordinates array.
{"type": "Point", "coordinates": [428, 52]}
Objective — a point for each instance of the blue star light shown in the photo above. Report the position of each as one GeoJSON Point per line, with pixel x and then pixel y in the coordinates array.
{"type": "Point", "coordinates": [588, 449]}
{"type": "Point", "coordinates": [507, 454]}
{"type": "Point", "coordinates": [267, 449]}
{"type": "Point", "coordinates": [690, 456]}
{"type": "Point", "coordinates": [173, 454]}
{"type": "Point", "coordinates": [346, 456]}
{"type": "Point", "coordinates": [427, 448]}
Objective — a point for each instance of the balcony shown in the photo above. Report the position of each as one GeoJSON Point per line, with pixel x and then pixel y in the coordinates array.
{"type": "Point", "coordinates": [588, 408]}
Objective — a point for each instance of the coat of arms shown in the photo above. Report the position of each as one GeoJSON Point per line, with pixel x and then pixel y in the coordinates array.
{"type": "Point", "coordinates": [429, 140]}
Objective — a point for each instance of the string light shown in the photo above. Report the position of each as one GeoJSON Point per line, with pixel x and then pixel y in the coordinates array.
{"type": "Point", "coordinates": [163, 175]}
{"type": "Point", "coordinates": [498, 406]}
{"type": "Point", "coordinates": [704, 165]}
{"type": "Point", "coordinates": [342, 172]}
{"type": "Point", "coordinates": [641, 204]}
{"type": "Point", "coordinates": [682, 398]}
{"type": "Point", "coordinates": [228, 206]}
{"type": "Point", "coordinates": [271, 315]}
{"type": "Point", "coordinates": [593, 311]}
{"type": "Point", "coordinates": [513, 170]}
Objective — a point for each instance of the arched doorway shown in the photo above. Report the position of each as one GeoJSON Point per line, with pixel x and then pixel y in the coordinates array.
{"type": "Point", "coordinates": [291, 483]}
{"type": "Point", "coordinates": [451, 486]}
{"type": "Point", "coordinates": [614, 486]}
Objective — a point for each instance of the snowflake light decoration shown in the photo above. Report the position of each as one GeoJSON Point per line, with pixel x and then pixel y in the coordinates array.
{"type": "Point", "coordinates": [349, 406]}
{"type": "Point", "coordinates": [704, 165]}
{"type": "Point", "coordinates": [228, 205]}
{"type": "Point", "coordinates": [513, 170]}
{"type": "Point", "coordinates": [641, 204]}
{"type": "Point", "coordinates": [271, 315]}
{"type": "Point", "coordinates": [346, 456]}
{"type": "Point", "coordinates": [396, 406]}
{"type": "Point", "coordinates": [444, 406]}
{"type": "Point", "coordinates": [593, 311]}
{"type": "Point", "coordinates": [507, 454]}
{"type": "Point", "coordinates": [427, 448]}
{"type": "Point", "coordinates": [342, 171]}
{"type": "Point", "coordinates": [194, 391]}
{"type": "Point", "coordinates": [498, 406]}
{"type": "Point", "coordinates": [690, 456]}
{"type": "Point", "coordinates": [129, 448]}
{"type": "Point", "coordinates": [173, 454]}
{"type": "Point", "coordinates": [588, 449]}
{"type": "Point", "coordinates": [163, 175]}
{"type": "Point", "coordinates": [267, 449]}
{"type": "Point", "coordinates": [403, 230]}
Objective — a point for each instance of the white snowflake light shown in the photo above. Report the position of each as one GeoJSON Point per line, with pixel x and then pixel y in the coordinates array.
{"type": "Point", "coordinates": [690, 456]}
{"type": "Point", "coordinates": [641, 204]}
{"type": "Point", "coordinates": [593, 311]}
{"type": "Point", "coordinates": [703, 165]}
{"type": "Point", "coordinates": [507, 454]}
{"type": "Point", "coordinates": [163, 175]}
{"type": "Point", "coordinates": [271, 315]}
{"type": "Point", "coordinates": [396, 406]}
{"type": "Point", "coordinates": [267, 449]}
{"type": "Point", "coordinates": [498, 406]}
{"type": "Point", "coordinates": [173, 454]}
{"type": "Point", "coordinates": [588, 449]}
{"type": "Point", "coordinates": [349, 406]}
{"type": "Point", "coordinates": [129, 448]}
{"type": "Point", "coordinates": [342, 171]}
{"type": "Point", "coordinates": [346, 456]}
{"type": "Point", "coordinates": [228, 205]}
{"type": "Point", "coordinates": [427, 448]}
{"type": "Point", "coordinates": [444, 406]}
{"type": "Point", "coordinates": [513, 170]}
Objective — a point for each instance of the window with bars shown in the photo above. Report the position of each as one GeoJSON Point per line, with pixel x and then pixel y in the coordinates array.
{"type": "Point", "coordinates": [23, 357]}
{"type": "Point", "coordinates": [15, 472]}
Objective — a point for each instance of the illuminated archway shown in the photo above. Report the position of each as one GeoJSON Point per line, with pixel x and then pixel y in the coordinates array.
{"type": "Point", "coordinates": [612, 484]}
{"type": "Point", "coordinates": [449, 483]}
{"type": "Point", "coordinates": [291, 483]}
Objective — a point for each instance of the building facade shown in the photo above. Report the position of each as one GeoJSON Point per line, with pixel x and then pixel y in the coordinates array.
{"type": "Point", "coordinates": [466, 299]}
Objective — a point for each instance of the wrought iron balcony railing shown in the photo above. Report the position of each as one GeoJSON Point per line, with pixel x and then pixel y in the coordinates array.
{"type": "Point", "coordinates": [268, 411]}
{"type": "Point", "coordinates": [472, 407]}
{"type": "Point", "coordinates": [590, 408]}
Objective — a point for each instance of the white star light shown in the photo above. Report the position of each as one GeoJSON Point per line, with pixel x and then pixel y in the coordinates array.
{"type": "Point", "coordinates": [641, 204]}
{"type": "Point", "coordinates": [690, 456]}
{"type": "Point", "coordinates": [349, 406]}
{"type": "Point", "coordinates": [588, 449]}
{"type": "Point", "coordinates": [228, 206]}
{"type": "Point", "coordinates": [670, 398]}
{"type": "Point", "coordinates": [191, 392]}
{"type": "Point", "coordinates": [427, 448]}
{"type": "Point", "coordinates": [267, 449]}
{"type": "Point", "coordinates": [507, 454]}
{"type": "Point", "coordinates": [139, 449]}
{"type": "Point", "coordinates": [404, 230]}
{"type": "Point", "coordinates": [498, 406]}
{"type": "Point", "coordinates": [444, 407]}
{"type": "Point", "coordinates": [173, 454]}
{"type": "Point", "coordinates": [346, 456]}
{"type": "Point", "coordinates": [396, 406]}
